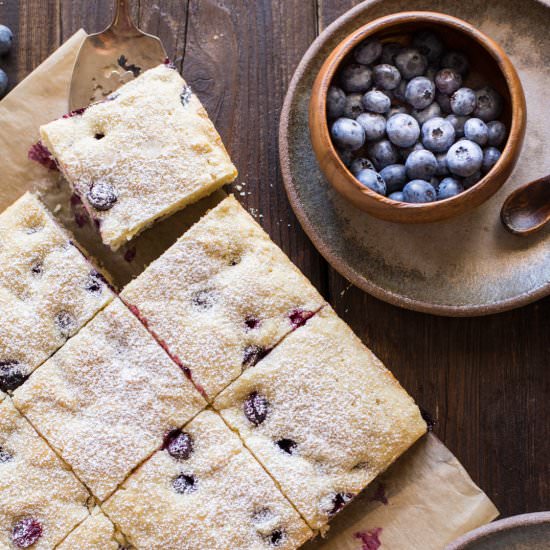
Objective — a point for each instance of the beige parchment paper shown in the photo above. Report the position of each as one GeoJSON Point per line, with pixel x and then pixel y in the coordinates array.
{"type": "Point", "coordinates": [424, 501]}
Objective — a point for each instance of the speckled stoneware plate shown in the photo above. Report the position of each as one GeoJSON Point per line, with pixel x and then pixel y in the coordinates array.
{"type": "Point", "coordinates": [461, 267]}
{"type": "Point", "coordinates": [525, 532]}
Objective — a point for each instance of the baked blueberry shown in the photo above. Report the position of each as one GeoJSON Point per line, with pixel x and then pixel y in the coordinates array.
{"type": "Point", "coordinates": [368, 51]}
{"type": "Point", "coordinates": [421, 165]}
{"type": "Point", "coordinates": [251, 322]}
{"type": "Point", "coordinates": [26, 532]}
{"type": "Point", "coordinates": [449, 187]}
{"type": "Point", "coordinates": [179, 444]}
{"type": "Point", "coordinates": [102, 196]}
{"type": "Point", "coordinates": [338, 501]}
{"type": "Point", "coordinates": [374, 125]}
{"type": "Point", "coordinates": [275, 538]}
{"type": "Point", "coordinates": [373, 180]}
{"type": "Point", "coordinates": [353, 106]}
{"type": "Point", "coordinates": [438, 134]}
{"type": "Point", "coordinates": [361, 163]}
{"type": "Point", "coordinates": [490, 158]}
{"type": "Point", "coordinates": [496, 133]}
{"type": "Point", "coordinates": [3, 83]}
{"type": "Point", "coordinates": [376, 101]}
{"type": "Point", "coordinates": [336, 102]}
{"type": "Point", "coordinates": [448, 81]}
{"type": "Point", "coordinates": [420, 92]}
{"type": "Point", "coordinates": [458, 124]}
{"type": "Point", "coordinates": [469, 181]}
{"type": "Point", "coordinates": [355, 78]}
{"type": "Point", "coordinates": [6, 39]}
{"type": "Point", "coordinates": [66, 323]}
{"type": "Point", "coordinates": [382, 153]}
{"type": "Point", "coordinates": [464, 158]}
{"type": "Point", "coordinates": [298, 317]}
{"type": "Point", "coordinates": [12, 374]}
{"type": "Point", "coordinates": [488, 104]}
{"type": "Point", "coordinates": [184, 484]}
{"type": "Point", "coordinates": [256, 408]}
{"type": "Point", "coordinates": [463, 101]}
{"type": "Point", "coordinates": [397, 196]}
{"type": "Point", "coordinates": [94, 282]}
{"type": "Point", "coordinates": [252, 355]}
{"type": "Point", "coordinates": [476, 130]}
{"type": "Point", "coordinates": [428, 44]}
{"type": "Point", "coordinates": [348, 134]}
{"type": "Point", "coordinates": [394, 176]}
{"type": "Point", "coordinates": [410, 63]}
{"type": "Point", "coordinates": [422, 115]}
{"type": "Point", "coordinates": [5, 456]}
{"type": "Point", "coordinates": [441, 169]}
{"type": "Point", "coordinates": [287, 445]}
{"type": "Point", "coordinates": [386, 77]}
{"type": "Point", "coordinates": [419, 191]}
{"type": "Point", "coordinates": [403, 130]}
{"type": "Point", "coordinates": [203, 299]}
{"type": "Point", "coordinates": [444, 102]}
{"type": "Point", "coordinates": [389, 51]}
{"type": "Point", "coordinates": [457, 61]}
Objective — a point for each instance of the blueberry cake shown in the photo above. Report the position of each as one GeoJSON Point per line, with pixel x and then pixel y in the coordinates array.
{"type": "Point", "coordinates": [106, 399]}
{"type": "Point", "coordinates": [40, 499]}
{"type": "Point", "coordinates": [222, 297]}
{"type": "Point", "coordinates": [204, 490]}
{"type": "Point", "coordinates": [323, 416]}
{"type": "Point", "coordinates": [48, 290]}
{"type": "Point", "coordinates": [95, 533]}
{"type": "Point", "coordinates": [147, 151]}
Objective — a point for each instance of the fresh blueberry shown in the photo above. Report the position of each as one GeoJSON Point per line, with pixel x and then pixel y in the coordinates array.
{"type": "Point", "coordinates": [397, 196]}
{"type": "Point", "coordinates": [457, 61]}
{"type": "Point", "coordinates": [458, 124]}
{"type": "Point", "coordinates": [448, 81]}
{"type": "Point", "coordinates": [428, 44]}
{"type": "Point", "coordinates": [361, 163]}
{"type": "Point", "coordinates": [410, 63]}
{"type": "Point", "coordinates": [348, 134]}
{"type": "Point", "coordinates": [346, 156]}
{"type": "Point", "coordinates": [336, 102]}
{"type": "Point", "coordinates": [463, 101]}
{"type": "Point", "coordinates": [441, 169]}
{"type": "Point", "coordinates": [353, 106]}
{"type": "Point", "coordinates": [356, 78]}
{"type": "Point", "coordinates": [448, 187]}
{"type": "Point", "coordinates": [464, 158]}
{"type": "Point", "coordinates": [373, 180]}
{"type": "Point", "coordinates": [395, 177]}
{"type": "Point", "coordinates": [102, 196]}
{"type": "Point", "coordinates": [374, 125]}
{"type": "Point", "coordinates": [488, 104]}
{"type": "Point", "coordinates": [434, 182]}
{"type": "Point", "coordinates": [421, 165]}
{"type": "Point", "coordinates": [376, 101]}
{"type": "Point", "coordinates": [386, 76]}
{"type": "Point", "coordinates": [469, 181]}
{"type": "Point", "coordinates": [490, 158]}
{"type": "Point", "coordinates": [422, 115]}
{"type": "Point", "coordinates": [399, 92]}
{"type": "Point", "coordinates": [476, 130]}
{"type": "Point", "coordinates": [256, 408]}
{"type": "Point", "coordinates": [438, 134]}
{"type": "Point", "coordinates": [368, 51]}
{"type": "Point", "coordinates": [382, 153]}
{"type": "Point", "coordinates": [406, 151]}
{"type": "Point", "coordinates": [496, 133]}
{"type": "Point", "coordinates": [6, 39]}
{"type": "Point", "coordinates": [396, 110]}
{"type": "Point", "coordinates": [444, 102]}
{"type": "Point", "coordinates": [389, 51]}
{"type": "Point", "coordinates": [419, 191]}
{"type": "Point", "coordinates": [420, 92]}
{"type": "Point", "coordinates": [3, 83]}
{"type": "Point", "coordinates": [403, 130]}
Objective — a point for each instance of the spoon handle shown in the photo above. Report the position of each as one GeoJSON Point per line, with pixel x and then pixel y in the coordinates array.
{"type": "Point", "coordinates": [122, 22]}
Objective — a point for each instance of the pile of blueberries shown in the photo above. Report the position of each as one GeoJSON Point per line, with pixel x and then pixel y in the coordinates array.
{"type": "Point", "coordinates": [6, 39]}
{"type": "Point", "coordinates": [405, 124]}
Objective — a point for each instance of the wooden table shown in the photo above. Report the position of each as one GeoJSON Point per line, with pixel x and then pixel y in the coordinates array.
{"type": "Point", "coordinates": [485, 381]}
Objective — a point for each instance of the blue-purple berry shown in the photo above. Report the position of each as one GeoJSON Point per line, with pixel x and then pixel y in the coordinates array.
{"type": "Point", "coordinates": [457, 61]}
{"type": "Point", "coordinates": [420, 92]}
{"type": "Point", "coordinates": [423, 115]}
{"type": "Point", "coordinates": [448, 81]}
{"type": "Point", "coordinates": [6, 39]}
{"type": "Point", "coordinates": [403, 130]}
{"type": "Point", "coordinates": [353, 106]}
{"type": "Point", "coordinates": [444, 102]}
{"type": "Point", "coordinates": [421, 164]}
{"type": "Point", "coordinates": [496, 133]}
{"type": "Point", "coordinates": [336, 102]}
{"type": "Point", "coordinates": [488, 104]}
{"type": "Point", "coordinates": [355, 78]}
{"type": "Point", "coordinates": [376, 101]}
{"type": "Point", "coordinates": [346, 156]}
{"type": "Point", "coordinates": [441, 169]}
{"type": "Point", "coordinates": [386, 77]}
{"type": "Point", "coordinates": [458, 124]}
{"type": "Point", "coordinates": [429, 45]}
{"type": "Point", "coordinates": [348, 134]}
{"type": "Point", "coordinates": [374, 125]}
{"type": "Point", "coordinates": [490, 158]}
{"type": "Point", "coordinates": [383, 153]}
{"type": "Point", "coordinates": [476, 130]}
{"type": "Point", "coordinates": [438, 134]}
{"type": "Point", "coordinates": [449, 187]}
{"type": "Point", "coordinates": [368, 51]}
{"type": "Point", "coordinates": [406, 151]}
{"type": "Point", "coordinates": [373, 180]}
{"type": "Point", "coordinates": [399, 92]}
{"type": "Point", "coordinates": [464, 158]}
{"type": "Point", "coordinates": [397, 196]}
{"type": "Point", "coordinates": [361, 163]}
{"type": "Point", "coordinates": [470, 181]}
{"type": "Point", "coordinates": [395, 176]}
{"type": "Point", "coordinates": [463, 101]}
{"type": "Point", "coordinates": [395, 110]}
{"type": "Point", "coordinates": [419, 191]}
{"type": "Point", "coordinates": [410, 63]}
{"type": "Point", "coordinates": [389, 51]}
{"type": "Point", "coordinates": [3, 83]}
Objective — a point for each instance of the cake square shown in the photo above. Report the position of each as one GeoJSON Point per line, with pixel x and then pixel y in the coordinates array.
{"type": "Point", "coordinates": [222, 297]}
{"type": "Point", "coordinates": [48, 290]}
{"type": "Point", "coordinates": [95, 533]}
{"type": "Point", "coordinates": [40, 498]}
{"type": "Point", "coordinates": [323, 416]}
{"type": "Point", "coordinates": [205, 490]}
{"type": "Point", "coordinates": [105, 400]}
{"type": "Point", "coordinates": [147, 151]}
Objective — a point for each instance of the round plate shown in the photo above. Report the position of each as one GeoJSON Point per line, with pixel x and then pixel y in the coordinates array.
{"type": "Point", "coordinates": [525, 532]}
{"type": "Point", "coordinates": [465, 266]}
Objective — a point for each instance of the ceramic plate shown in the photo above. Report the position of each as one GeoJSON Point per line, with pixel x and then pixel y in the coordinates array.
{"type": "Point", "coordinates": [465, 266]}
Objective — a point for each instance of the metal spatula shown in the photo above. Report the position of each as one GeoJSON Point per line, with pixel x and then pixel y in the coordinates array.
{"type": "Point", "coordinates": [108, 59]}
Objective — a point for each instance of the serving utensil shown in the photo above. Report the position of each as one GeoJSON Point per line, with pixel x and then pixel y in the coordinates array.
{"type": "Point", "coordinates": [108, 59]}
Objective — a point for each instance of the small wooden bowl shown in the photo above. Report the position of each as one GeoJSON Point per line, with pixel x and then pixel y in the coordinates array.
{"type": "Point", "coordinates": [487, 60]}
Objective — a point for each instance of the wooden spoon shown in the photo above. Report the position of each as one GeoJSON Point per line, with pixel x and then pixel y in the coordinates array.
{"type": "Point", "coordinates": [527, 209]}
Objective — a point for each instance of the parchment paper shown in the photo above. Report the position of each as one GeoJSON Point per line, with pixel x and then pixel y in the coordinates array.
{"type": "Point", "coordinates": [424, 501]}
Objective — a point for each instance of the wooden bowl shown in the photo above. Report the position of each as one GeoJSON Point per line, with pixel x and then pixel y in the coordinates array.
{"type": "Point", "coordinates": [489, 65]}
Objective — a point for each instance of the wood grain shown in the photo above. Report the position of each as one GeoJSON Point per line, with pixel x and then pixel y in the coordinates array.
{"type": "Point", "coordinates": [486, 381]}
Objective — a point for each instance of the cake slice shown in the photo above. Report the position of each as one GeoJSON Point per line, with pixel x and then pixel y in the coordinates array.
{"type": "Point", "coordinates": [222, 297]}
{"type": "Point", "coordinates": [323, 416]}
{"type": "Point", "coordinates": [95, 533]}
{"type": "Point", "coordinates": [107, 398]}
{"type": "Point", "coordinates": [48, 290]}
{"type": "Point", "coordinates": [40, 498]}
{"type": "Point", "coordinates": [205, 490]}
{"type": "Point", "coordinates": [147, 151]}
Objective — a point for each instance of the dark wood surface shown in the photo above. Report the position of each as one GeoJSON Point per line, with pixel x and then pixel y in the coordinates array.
{"type": "Point", "coordinates": [486, 380]}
